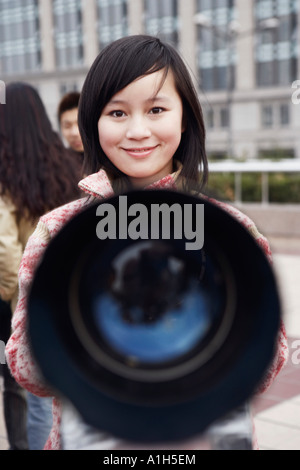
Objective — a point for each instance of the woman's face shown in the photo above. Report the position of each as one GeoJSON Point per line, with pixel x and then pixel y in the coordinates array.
{"type": "Point", "coordinates": [140, 128]}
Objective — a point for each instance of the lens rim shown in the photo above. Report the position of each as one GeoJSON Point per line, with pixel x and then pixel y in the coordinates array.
{"type": "Point", "coordinates": [144, 373]}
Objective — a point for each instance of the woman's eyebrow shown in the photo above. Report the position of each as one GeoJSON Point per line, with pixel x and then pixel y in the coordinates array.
{"type": "Point", "coordinates": [150, 100]}
{"type": "Point", "coordinates": [158, 98]}
{"type": "Point", "coordinates": [113, 102]}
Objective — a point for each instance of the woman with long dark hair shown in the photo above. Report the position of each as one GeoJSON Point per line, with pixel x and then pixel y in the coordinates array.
{"type": "Point", "coordinates": [37, 174]}
{"type": "Point", "coordinates": [141, 125]}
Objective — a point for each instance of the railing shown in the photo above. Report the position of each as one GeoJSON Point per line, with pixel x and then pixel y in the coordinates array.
{"type": "Point", "coordinates": [254, 166]}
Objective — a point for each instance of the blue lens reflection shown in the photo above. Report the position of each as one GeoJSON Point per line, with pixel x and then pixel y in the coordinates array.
{"type": "Point", "coordinates": [171, 335]}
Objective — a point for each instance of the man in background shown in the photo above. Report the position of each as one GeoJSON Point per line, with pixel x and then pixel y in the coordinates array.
{"type": "Point", "coordinates": [68, 122]}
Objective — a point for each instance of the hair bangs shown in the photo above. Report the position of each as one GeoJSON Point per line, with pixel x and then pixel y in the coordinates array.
{"type": "Point", "coordinates": [131, 61]}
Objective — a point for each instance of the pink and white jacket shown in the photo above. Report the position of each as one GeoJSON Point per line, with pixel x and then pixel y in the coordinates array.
{"type": "Point", "coordinates": [20, 361]}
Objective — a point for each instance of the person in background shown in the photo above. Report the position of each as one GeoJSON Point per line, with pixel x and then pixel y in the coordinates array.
{"type": "Point", "coordinates": [67, 115]}
{"type": "Point", "coordinates": [13, 396]}
{"type": "Point", "coordinates": [37, 174]}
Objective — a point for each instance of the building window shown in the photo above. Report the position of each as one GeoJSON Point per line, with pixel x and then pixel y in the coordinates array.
{"type": "Point", "coordinates": [68, 37]}
{"type": "Point", "coordinates": [276, 50]}
{"type": "Point", "coordinates": [161, 19]}
{"type": "Point", "coordinates": [284, 115]}
{"type": "Point", "coordinates": [112, 20]}
{"type": "Point", "coordinates": [267, 116]}
{"type": "Point", "coordinates": [19, 36]}
{"type": "Point", "coordinates": [217, 117]}
{"type": "Point", "coordinates": [275, 115]}
{"type": "Point", "coordinates": [210, 118]}
{"type": "Point", "coordinates": [67, 87]}
{"type": "Point", "coordinates": [216, 55]}
{"type": "Point", "coordinates": [224, 117]}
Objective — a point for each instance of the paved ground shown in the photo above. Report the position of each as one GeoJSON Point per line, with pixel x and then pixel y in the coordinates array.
{"type": "Point", "coordinates": [277, 412]}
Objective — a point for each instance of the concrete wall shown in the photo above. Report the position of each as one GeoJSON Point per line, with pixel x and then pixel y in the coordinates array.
{"type": "Point", "coordinates": [275, 220]}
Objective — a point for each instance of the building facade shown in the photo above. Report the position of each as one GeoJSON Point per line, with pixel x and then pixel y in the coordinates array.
{"type": "Point", "coordinates": [243, 55]}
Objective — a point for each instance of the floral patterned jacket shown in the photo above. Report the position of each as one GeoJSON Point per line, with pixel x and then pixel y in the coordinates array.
{"type": "Point", "coordinates": [20, 361]}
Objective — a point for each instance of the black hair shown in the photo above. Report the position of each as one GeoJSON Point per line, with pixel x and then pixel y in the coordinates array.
{"type": "Point", "coordinates": [37, 172]}
{"type": "Point", "coordinates": [118, 65]}
{"type": "Point", "coordinates": [68, 101]}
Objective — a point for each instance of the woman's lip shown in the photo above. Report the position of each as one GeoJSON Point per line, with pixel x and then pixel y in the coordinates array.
{"type": "Point", "coordinates": [140, 151]}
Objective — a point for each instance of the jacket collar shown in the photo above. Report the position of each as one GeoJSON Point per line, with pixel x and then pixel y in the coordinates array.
{"type": "Point", "coordinates": [98, 184]}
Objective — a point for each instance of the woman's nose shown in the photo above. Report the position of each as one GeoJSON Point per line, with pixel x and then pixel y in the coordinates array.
{"type": "Point", "coordinates": [138, 129]}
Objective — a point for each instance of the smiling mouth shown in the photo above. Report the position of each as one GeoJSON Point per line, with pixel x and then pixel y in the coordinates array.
{"type": "Point", "coordinates": [140, 150]}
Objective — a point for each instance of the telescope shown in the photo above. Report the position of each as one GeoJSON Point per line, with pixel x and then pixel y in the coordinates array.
{"type": "Point", "coordinates": [155, 332]}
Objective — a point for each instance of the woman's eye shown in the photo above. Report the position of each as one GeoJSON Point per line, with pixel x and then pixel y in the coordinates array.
{"type": "Point", "coordinates": [117, 114]}
{"type": "Point", "coordinates": [156, 110]}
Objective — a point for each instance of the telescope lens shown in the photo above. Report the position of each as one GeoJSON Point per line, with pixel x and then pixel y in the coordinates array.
{"type": "Point", "coordinates": [157, 334]}
{"type": "Point", "coordinates": [150, 305]}
{"type": "Point", "coordinates": [148, 331]}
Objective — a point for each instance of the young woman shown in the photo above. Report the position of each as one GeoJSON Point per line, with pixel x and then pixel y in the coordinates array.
{"type": "Point", "coordinates": [142, 127]}
{"type": "Point", "coordinates": [37, 174]}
